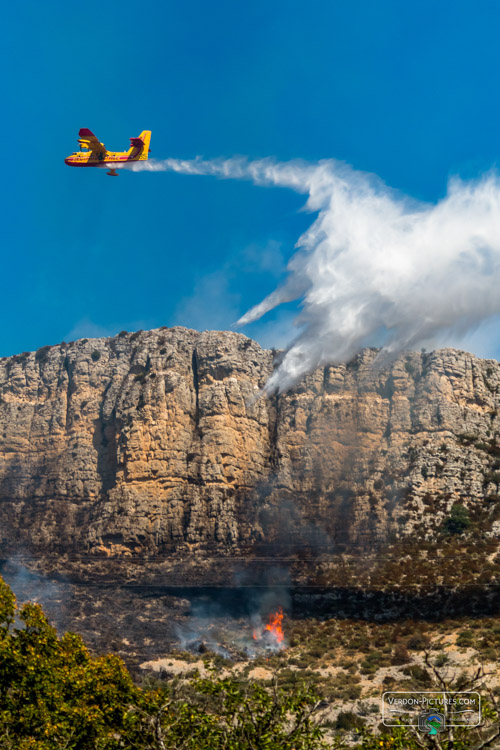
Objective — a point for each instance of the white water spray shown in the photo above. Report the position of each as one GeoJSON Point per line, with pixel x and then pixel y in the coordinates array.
{"type": "Point", "coordinates": [375, 267]}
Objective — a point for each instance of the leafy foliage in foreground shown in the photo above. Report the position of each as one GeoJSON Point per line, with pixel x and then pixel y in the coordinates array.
{"type": "Point", "coordinates": [55, 695]}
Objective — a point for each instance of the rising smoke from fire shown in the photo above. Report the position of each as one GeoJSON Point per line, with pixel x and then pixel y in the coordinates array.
{"type": "Point", "coordinates": [375, 268]}
{"type": "Point", "coordinates": [246, 623]}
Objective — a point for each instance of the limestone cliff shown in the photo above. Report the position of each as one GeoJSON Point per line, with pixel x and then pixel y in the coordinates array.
{"type": "Point", "coordinates": [156, 445]}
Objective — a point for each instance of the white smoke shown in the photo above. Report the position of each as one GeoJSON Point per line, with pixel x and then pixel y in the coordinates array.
{"type": "Point", "coordinates": [375, 267]}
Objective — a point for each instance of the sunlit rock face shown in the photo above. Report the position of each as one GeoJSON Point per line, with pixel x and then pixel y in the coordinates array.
{"type": "Point", "coordinates": [158, 446]}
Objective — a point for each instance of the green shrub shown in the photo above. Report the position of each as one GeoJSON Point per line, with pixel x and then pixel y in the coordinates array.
{"type": "Point", "coordinates": [41, 354]}
{"type": "Point", "coordinates": [21, 358]}
{"type": "Point", "coordinates": [458, 520]}
{"type": "Point", "coordinates": [316, 651]}
{"type": "Point", "coordinates": [347, 720]}
{"type": "Point", "coordinates": [96, 355]}
{"type": "Point", "coordinates": [441, 660]}
{"type": "Point", "coordinates": [466, 438]}
{"type": "Point", "coordinates": [353, 692]}
{"type": "Point", "coordinates": [419, 674]}
{"type": "Point", "coordinates": [465, 639]}
{"type": "Point", "coordinates": [489, 654]}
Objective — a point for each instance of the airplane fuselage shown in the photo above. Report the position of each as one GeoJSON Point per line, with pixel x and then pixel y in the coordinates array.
{"type": "Point", "coordinates": [100, 158]}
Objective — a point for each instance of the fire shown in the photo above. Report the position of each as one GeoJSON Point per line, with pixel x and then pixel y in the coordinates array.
{"type": "Point", "coordinates": [274, 627]}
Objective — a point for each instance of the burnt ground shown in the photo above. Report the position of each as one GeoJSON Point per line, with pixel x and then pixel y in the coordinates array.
{"type": "Point", "coordinates": [137, 625]}
{"type": "Point", "coordinates": [142, 623]}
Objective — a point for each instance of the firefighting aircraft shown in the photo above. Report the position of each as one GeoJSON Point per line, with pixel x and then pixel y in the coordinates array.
{"type": "Point", "coordinates": [95, 154]}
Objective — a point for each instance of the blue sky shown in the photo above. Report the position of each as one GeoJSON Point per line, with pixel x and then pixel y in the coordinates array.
{"type": "Point", "coordinates": [406, 90]}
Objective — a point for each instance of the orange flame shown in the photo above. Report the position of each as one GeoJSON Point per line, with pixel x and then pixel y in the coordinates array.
{"type": "Point", "coordinates": [274, 626]}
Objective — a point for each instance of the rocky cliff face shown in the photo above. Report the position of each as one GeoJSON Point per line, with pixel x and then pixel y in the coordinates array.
{"type": "Point", "coordinates": [156, 445]}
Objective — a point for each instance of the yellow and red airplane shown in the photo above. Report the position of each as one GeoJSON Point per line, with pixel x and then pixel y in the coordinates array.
{"type": "Point", "coordinates": [95, 154]}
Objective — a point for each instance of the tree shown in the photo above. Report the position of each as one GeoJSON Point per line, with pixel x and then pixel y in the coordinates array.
{"type": "Point", "coordinates": [458, 520]}
{"type": "Point", "coordinates": [227, 714]}
{"type": "Point", "coordinates": [54, 694]}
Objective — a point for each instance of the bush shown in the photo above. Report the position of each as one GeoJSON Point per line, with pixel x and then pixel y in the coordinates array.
{"type": "Point", "coordinates": [353, 692]}
{"type": "Point", "coordinates": [489, 654]}
{"type": "Point", "coordinates": [400, 655]}
{"type": "Point", "coordinates": [465, 639]}
{"type": "Point", "coordinates": [466, 438]}
{"type": "Point", "coordinates": [410, 368]}
{"type": "Point", "coordinates": [20, 358]}
{"type": "Point", "coordinates": [41, 354]}
{"type": "Point", "coordinates": [441, 660]}
{"type": "Point", "coordinates": [140, 372]}
{"type": "Point", "coordinates": [347, 720]}
{"type": "Point", "coordinates": [419, 674]}
{"type": "Point", "coordinates": [418, 641]}
{"type": "Point", "coordinates": [458, 520]}
{"type": "Point", "coordinates": [96, 355]}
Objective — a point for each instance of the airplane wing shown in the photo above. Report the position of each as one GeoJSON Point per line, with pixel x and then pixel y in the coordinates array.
{"type": "Point", "coordinates": [88, 140]}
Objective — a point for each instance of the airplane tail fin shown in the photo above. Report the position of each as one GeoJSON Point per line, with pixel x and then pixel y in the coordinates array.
{"type": "Point", "coordinates": [139, 147]}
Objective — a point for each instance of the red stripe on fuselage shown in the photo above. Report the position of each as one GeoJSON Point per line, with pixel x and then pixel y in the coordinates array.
{"type": "Point", "coordinates": [97, 163]}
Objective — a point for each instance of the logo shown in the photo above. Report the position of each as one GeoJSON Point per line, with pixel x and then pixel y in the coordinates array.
{"type": "Point", "coordinates": [431, 722]}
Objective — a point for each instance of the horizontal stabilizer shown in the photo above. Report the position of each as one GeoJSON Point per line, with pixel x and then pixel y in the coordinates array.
{"type": "Point", "coordinates": [139, 147]}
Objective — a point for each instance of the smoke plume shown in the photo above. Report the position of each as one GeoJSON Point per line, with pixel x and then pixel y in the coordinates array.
{"type": "Point", "coordinates": [375, 268]}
